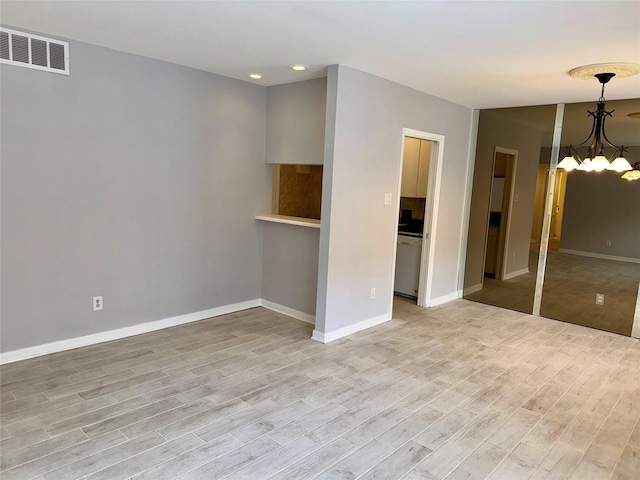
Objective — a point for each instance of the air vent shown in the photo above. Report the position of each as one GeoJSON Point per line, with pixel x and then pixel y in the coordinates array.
{"type": "Point", "coordinates": [32, 51]}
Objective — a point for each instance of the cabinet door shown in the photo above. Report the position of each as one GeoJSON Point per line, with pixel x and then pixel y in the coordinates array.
{"type": "Point", "coordinates": [410, 163]}
{"type": "Point", "coordinates": [423, 168]}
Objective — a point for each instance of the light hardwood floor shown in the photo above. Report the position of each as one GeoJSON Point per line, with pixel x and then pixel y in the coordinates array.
{"type": "Point", "coordinates": [459, 391]}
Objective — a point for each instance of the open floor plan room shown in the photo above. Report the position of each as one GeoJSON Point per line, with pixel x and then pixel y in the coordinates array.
{"type": "Point", "coordinates": [463, 390]}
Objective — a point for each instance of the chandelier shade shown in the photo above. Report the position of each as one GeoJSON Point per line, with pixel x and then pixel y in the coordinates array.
{"type": "Point", "coordinates": [620, 164]}
{"type": "Point", "coordinates": [633, 174]}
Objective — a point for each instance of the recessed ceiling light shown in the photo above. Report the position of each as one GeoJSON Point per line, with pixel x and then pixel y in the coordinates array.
{"type": "Point", "coordinates": [622, 70]}
{"type": "Point", "coordinates": [298, 67]}
{"type": "Point", "coordinates": [255, 75]}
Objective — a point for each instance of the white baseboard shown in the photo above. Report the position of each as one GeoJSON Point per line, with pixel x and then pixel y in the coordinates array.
{"type": "Point", "coordinates": [62, 345]}
{"type": "Point", "coordinates": [517, 273]}
{"type": "Point", "coordinates": [297, 314]}
{"type": "Point", "coordinates": [444, 299]}
{"type": "Point", "coordinates": [599, 255]}
{"type": "Point", "coordinates": [472, 289]}
{"type": "Point", "coordinates": [349, 329]}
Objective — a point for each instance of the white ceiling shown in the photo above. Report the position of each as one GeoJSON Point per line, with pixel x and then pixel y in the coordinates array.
{"type": "Point", "coordinates": [482, 54]}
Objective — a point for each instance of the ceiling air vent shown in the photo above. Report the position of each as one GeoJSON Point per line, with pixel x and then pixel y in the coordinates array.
{"type": "Point", "coordinates": [32, 51]}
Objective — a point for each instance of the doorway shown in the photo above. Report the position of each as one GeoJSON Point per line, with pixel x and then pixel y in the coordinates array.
{"type": "Point", "coordinates": [557, 212]}
{"type": "Point", "coordinates": [425, 173]}
{"type": "Point", "coordinates": [499, 221]}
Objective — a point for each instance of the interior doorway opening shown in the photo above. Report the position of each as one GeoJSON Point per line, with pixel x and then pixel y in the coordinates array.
{"type": "Point", "coordinates": [557, 211]}
{"type": "Point", "coordinates": [419, 187]}
{"type": "Point", "coordinates": [499, 219]}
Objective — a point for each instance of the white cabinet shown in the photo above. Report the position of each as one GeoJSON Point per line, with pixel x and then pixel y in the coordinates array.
{"type": "Point", "coordinates": [415, 167]}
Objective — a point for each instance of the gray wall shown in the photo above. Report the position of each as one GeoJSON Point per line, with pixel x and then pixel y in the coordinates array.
{"type": "Point", "coordinates": [600, 207]}
{"type": "Point", "coordinates": [133, 179]}
{"type": "Point", "coordinates": [495, 131]}
{"type": "Point", "coordinates": [290, 266]}
{"type": "Point", "coordinates": [295, 122]}
{"type": "Point", "coordinates": [365, 117]}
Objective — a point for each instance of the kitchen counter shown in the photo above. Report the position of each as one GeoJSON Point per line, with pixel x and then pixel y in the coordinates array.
{"type": "Point", "coordinates": [410, 234]}
{"type": "Point", "coordinates": [412, 227]}
{"type": "Point", "coordinates": [301, 222]}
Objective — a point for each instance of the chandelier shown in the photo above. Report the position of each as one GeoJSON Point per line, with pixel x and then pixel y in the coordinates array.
{"type": "Point", "coordinates": [595, 159]}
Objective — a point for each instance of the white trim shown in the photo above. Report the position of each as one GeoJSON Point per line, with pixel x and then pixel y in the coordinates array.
{"type": "Point", "coordinates": [290, 312]}
{"type": "Point", "coordinates": [472, 289]}
{"type": "Point", "coordinates": [635, 328]}
{"type": "Point", "coordinates": [318, 336]}
{"type": "Point", "coordinates": [517, 273]}
{"type": "Point", "coordinates": [327, 337]}
{"type": "Point", "coordinates": [427, 257]}
{"type": "Point", "coordinates": [62, 345]}
{"type": "Point", "coordinates": [445, 299]}
{"type": "Point", "coordinates": [599, 255]}
{"type": "Point", "coordinates": [547, 209]}
{"type": "Point", "coordinates": [512, 191]}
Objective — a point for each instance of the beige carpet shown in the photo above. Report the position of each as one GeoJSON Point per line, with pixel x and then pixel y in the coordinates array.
{"type": "Point", "coordinates": [571, 284]}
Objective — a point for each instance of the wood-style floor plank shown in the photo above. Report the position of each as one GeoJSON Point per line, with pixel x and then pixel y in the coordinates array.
{"type": "Point", "coordinates": [459, 391]}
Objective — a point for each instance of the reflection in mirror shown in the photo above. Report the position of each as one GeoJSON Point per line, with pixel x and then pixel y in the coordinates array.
{"type": "Point", "coordinates": [592, 273]}
{"type": "Point", "coordinates": [506, 213]}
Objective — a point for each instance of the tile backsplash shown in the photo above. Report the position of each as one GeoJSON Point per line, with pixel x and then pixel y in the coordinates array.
{"type": "Point", "coordinates": [416, 205]}
{"type": "Point", "coordinates": [300, 190]}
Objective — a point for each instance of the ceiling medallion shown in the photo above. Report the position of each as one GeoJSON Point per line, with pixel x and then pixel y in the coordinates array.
{"type": "Point", "coordinates": [621, 70]}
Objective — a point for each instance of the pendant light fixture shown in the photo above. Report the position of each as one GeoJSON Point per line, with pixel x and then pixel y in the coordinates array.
{"type": "Point", "coordinates": [595, 159]}
{"type": "Point", "coordinates": [633, 174]}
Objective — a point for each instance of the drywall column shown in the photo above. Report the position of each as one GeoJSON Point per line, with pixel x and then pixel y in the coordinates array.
{"type": "Point", "coordinates": [363, 143]}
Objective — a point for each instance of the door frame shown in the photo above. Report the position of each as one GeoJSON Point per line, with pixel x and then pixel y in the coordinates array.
{"type": "Point", "coordinates": [505, 224]}
{"type": "Point", "coordinates": [427, 256]}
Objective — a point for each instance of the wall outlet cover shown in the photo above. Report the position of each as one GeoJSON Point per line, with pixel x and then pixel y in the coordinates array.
{"type": "Point", "coordinates": [97, 303]}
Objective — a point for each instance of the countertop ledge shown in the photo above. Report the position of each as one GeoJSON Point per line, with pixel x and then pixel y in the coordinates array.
{"type": "Point", "coordinates": [300, 221]}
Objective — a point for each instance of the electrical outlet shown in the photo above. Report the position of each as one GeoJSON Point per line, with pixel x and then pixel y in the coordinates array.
{"type": "Point", "coordinates": [373, 293]}
{"type": "Point", "coordinates": [608, 243]}
{"type": "Point", "coordinates": [599, 298]}
{"type": "Point", "coordinates": [97, 303]}
{"type": "Point", "coordinates": [387, 199]}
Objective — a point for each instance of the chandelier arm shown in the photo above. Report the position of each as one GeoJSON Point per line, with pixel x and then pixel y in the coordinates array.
{"type": "Point", "coordinates": [604, 134]}
{"type": "Point", "coordinates": [593, 129]}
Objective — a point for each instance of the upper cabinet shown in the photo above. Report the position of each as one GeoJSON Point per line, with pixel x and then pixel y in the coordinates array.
{"type": "Point", "coordinates": [415, 167]}
{"type": "Point", "coordinates": [296, 115]}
